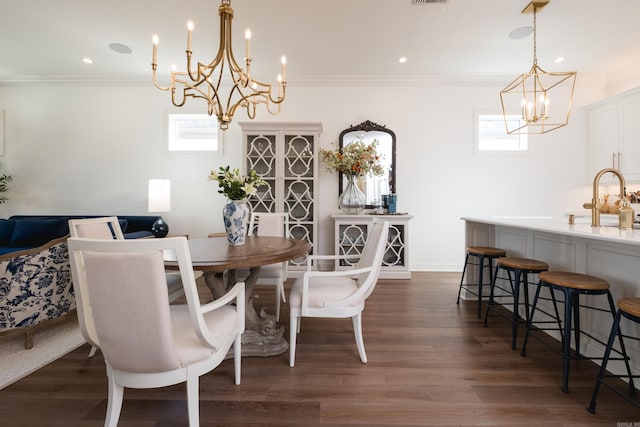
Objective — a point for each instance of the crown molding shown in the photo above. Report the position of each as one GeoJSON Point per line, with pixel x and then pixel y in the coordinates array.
{"type": "Point", "coordinates": [318, 80]}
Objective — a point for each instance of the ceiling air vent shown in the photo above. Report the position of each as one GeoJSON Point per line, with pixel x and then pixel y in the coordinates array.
{"type": "Point", "coordinates": [428, 1]}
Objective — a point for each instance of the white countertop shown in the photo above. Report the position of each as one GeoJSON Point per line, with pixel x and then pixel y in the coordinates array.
{"type": "Point", "coordinates": [609, 231]}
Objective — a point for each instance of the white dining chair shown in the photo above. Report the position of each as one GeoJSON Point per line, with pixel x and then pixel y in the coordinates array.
{"type": "Point", "coordinates": [339, 293]}
{"type": "Point", "coordinates": [109, 228]}
{"type": "Point", "coordinates": [147, 342]}
{"type": "Point", "coordinates": [271, 224]}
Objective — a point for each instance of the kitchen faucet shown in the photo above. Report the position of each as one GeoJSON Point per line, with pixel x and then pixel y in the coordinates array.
{"type": "Point", "coordinates": [595, 201]}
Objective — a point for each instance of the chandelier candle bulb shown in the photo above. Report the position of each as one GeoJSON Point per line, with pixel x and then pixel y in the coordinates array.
{"type": "Point", "coordinates": [155, 49]}
{"type": "Point", "coordinates": [283, 60]}
{"type": "Point", "coordinates": [189, 31]}
{"type": "Point", "coordinates": [247, 36]}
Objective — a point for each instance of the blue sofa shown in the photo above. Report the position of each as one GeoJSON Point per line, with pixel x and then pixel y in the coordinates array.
{"type": "Point", "coordinates": [21, 232]}
{"type": "Point", "coordinates": [35, 275]}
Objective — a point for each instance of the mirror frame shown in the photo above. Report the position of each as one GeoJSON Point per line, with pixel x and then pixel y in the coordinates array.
{"type": "Point", "coordinates": [369, 126]}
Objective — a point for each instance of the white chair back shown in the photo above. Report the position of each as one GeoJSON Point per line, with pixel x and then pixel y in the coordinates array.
{"type": "Point", "coordinates": [127, 293]}
{"type": "Point", "coordinates": [372, 256]}
{"type": "Point", "coordinates": [269, 224]}
{"type": "Point", "coordinates": [96, 228]}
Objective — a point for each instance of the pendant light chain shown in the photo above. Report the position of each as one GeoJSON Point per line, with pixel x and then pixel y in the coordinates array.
{"type": "Point", "coordinates": [535, 37]}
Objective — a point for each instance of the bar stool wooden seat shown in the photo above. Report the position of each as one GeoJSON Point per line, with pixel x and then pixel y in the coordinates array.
{"type": "Point", "coordinates": [478, 254]}
{"type": "Point", "coordinates": [628, 308]}
{"type": "Point", "coordinates": [518, 270]}
{"type": "Point", "coordinates": [572, 285]}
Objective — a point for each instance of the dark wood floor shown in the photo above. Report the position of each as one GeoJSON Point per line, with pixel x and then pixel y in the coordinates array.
{"type": "Point", "coordinates": [431, 362]}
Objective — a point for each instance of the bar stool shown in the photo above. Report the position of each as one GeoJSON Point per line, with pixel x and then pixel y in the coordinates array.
{"type": "Point", "coordinates": [628, 308]}
{"type": "Point", "coordinates": [572, 285]}
{"type": "Point", "coordinates": [518, 270]}
{"type": "Point", "coordinates": [482, 253]}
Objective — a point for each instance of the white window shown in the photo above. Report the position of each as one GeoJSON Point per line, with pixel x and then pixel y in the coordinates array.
{"type": "Point", "coordinates": [193, 132]}
{"type": "Point", "coordinates": [491, 134]}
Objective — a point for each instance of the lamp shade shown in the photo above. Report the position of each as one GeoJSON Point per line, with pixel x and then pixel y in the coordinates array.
{"type": "Point", "coordinates": [159, 195]}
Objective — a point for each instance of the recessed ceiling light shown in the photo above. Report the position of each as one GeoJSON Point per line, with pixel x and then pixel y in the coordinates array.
{"type": "Point", "coordinates": [87, 60]}
{"type": "Point", "coordinates": [520, 33]}
{"type": "Point", "coordinates": [120, 48]}
{"type": "Point", "coordinates": [559, 59]}
{"type": "Point", "coordinates": [402, 59]}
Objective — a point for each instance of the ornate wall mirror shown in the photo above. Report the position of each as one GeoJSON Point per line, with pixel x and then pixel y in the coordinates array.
{"type": "Point", "coordinates": [373, 186]}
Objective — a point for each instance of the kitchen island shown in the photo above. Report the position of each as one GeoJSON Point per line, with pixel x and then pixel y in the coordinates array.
{"type": "Point", "coordinates": [606, 252]}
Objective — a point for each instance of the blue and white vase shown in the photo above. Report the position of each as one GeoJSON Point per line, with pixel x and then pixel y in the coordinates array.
{"type": "Point", "coordinates": [236, 217]}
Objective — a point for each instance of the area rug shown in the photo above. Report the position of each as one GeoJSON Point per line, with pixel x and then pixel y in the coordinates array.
{"type": "Point", "coordinates": [49, 344]}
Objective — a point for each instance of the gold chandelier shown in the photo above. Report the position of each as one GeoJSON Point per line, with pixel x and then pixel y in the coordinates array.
{"type": "Point", "coordinates": [542, 100]}
{"type": "Point", "coordinates": [206, 81]}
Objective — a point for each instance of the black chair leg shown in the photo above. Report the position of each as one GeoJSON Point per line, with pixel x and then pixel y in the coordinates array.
{"type": "Point", "coordinates": [519, 277]}
{"type": "Point", "coordinates": [491, 294]}
{"type": "Point", "coordinates": [523, 352]}
{"type": "Point", "coordinates": [480, 277]}
{"type": "Point", "coordinates": [464, 270]}
{"type": "Point", "coordinates": [615, 330]}
{"type": "Point", "coordinates": [566, 342]}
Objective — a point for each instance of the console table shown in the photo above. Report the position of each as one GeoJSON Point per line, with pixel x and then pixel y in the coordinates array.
{"type": "Point", "coordinates": [351, 232]}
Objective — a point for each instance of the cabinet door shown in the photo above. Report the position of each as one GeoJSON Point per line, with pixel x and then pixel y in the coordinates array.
{"type": "Point", "coordinates": [394, 255]}
{"type": "Point", "coordinates": [603, 141]}
{"type": "Point", "coordinates": [630, 138]}
{"type": "Point", "coordinates": [352, 238]}
{"type": "Point", "coordinates": [299, 186]}
{"type": "Point", "coordinates": [262, 156]}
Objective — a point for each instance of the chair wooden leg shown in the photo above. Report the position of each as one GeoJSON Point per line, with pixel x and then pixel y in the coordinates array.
{"type": "Point", "coordinates": [193, 399]}
{"type": "Point", "coordinates": [277, 304]}
{"type": "Point", "coordinates": [237, 358]}
{"type": "Point", "coordinates": [114, 402]}
{"type": "Point", "coordinates": [357, 329]}
{"type": "Point", "coordinates": [294, 324]}
{"type": "Point", "coordinates": [92, 352]}
{"type": "Point", "coordinates": [284, 297]}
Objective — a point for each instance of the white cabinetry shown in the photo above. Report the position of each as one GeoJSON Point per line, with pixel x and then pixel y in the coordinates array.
{"type": "Point", "coordinates": [351, 233]}
{"type": "Point", "coordinates": [284, 155]}
{"type": "Point", "coordinates": [614, 136]}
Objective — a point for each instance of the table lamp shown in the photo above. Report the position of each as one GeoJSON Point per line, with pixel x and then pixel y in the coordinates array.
{"type": "Point", "coordinates": [159, 201]}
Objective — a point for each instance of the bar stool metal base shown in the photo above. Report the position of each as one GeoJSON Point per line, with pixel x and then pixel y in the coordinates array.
{"type": "Point", "coordinates": [482, 254]}
{"type": "Point", "coordinates": [628, 308]}
{"type": "Point", "coordinates": [518, 270]}
{"type": "Point", "coordinates": [571, 285]}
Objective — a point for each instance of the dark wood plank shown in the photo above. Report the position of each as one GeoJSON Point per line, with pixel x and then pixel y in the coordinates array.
{"type": "Point", "coordinates": [431, 363]}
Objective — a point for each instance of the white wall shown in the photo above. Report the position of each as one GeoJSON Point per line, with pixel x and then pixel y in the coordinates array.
{"type": "Point", "coordinates": [79, 149]}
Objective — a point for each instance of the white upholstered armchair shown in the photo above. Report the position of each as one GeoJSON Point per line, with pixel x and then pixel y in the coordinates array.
{"type": "Point", "coordinates": [147, 342]}
{"type": "Point", "coordinates": [341, 293]}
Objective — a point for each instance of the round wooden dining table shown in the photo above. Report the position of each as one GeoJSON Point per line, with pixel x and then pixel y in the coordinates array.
{"type": "Point", "coordinates": [223, 266]}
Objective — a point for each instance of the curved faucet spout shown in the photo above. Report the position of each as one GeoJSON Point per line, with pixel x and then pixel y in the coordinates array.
{"type": "Point", "coordinates": [595, 201]}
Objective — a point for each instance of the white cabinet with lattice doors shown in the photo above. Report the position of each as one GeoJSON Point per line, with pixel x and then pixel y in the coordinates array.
{"type": "Point", "coordinates": [351, 232]}
{"type": "Point", "coordinates": [284, 155]}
